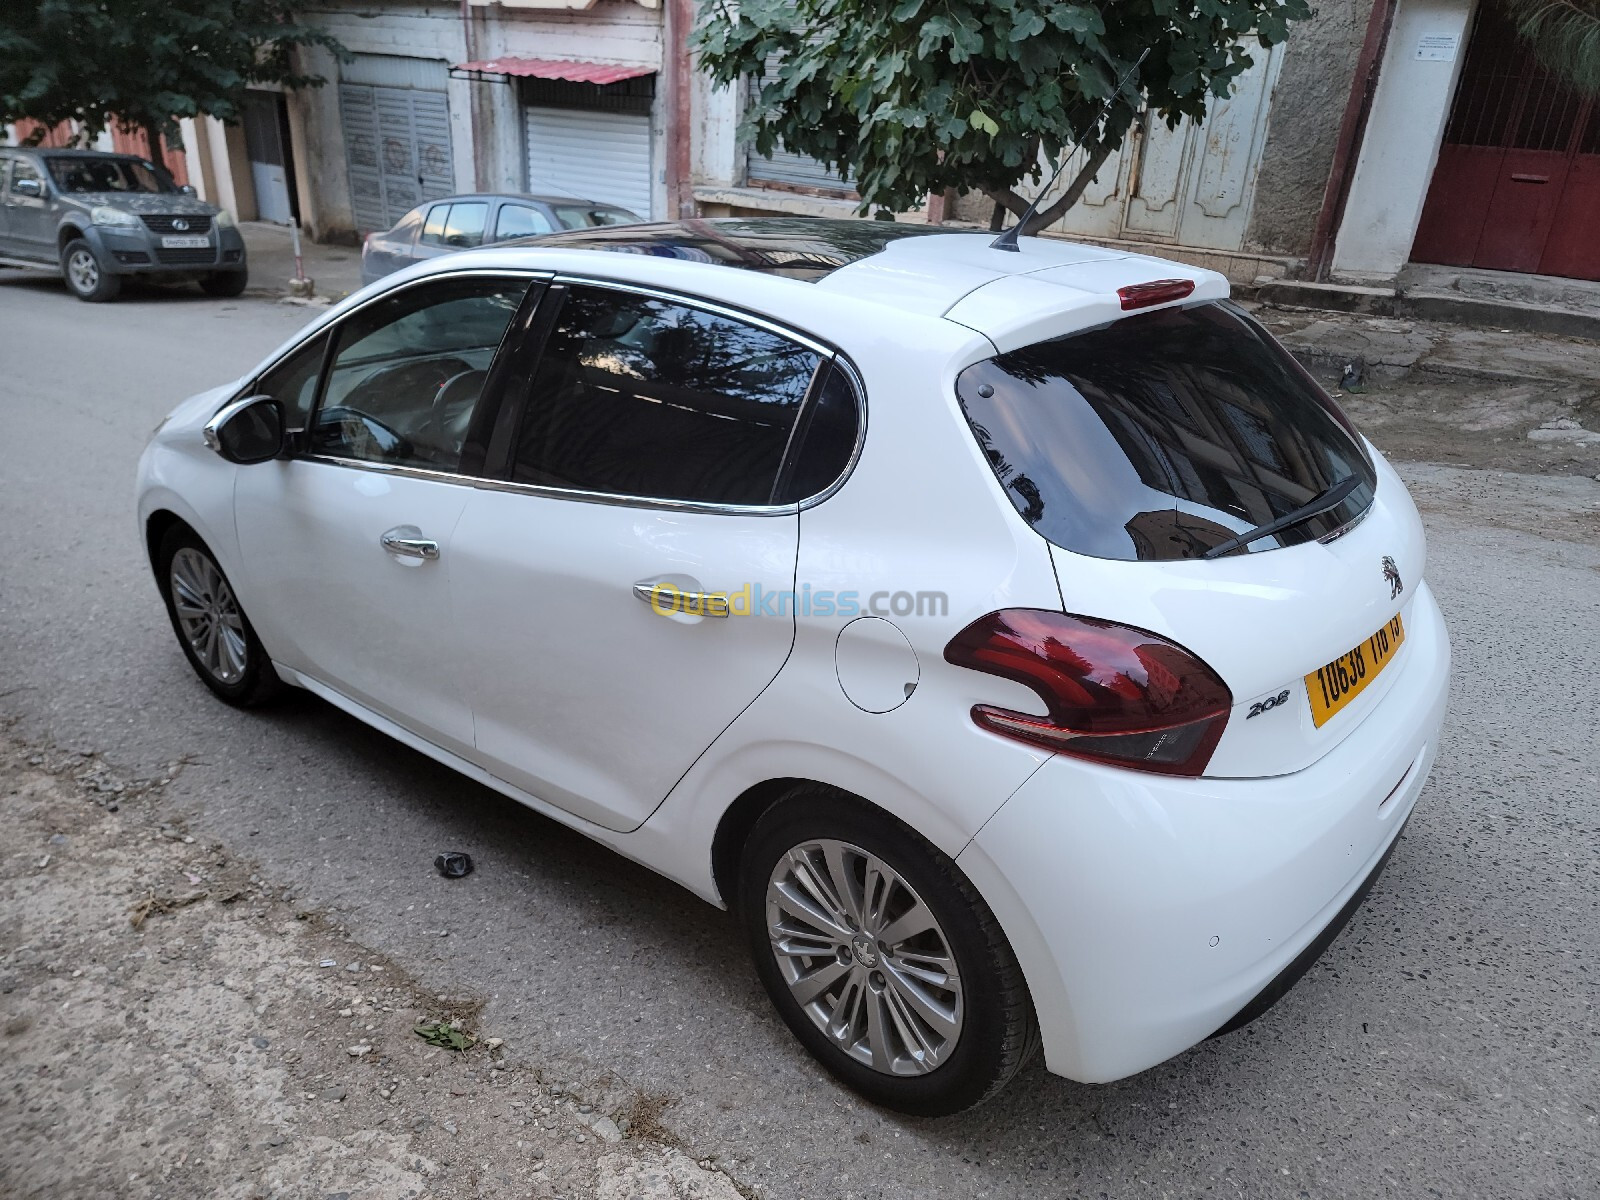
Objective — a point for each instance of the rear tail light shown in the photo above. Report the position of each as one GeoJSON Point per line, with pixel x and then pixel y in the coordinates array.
{"type": "Point", "coordinates": [1113, 693]}
{"type": "Point", "coordinates": [1157, 291]}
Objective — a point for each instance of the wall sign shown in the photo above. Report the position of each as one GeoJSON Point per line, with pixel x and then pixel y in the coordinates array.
{"type": "Point", "coordinates": [1437, 47]}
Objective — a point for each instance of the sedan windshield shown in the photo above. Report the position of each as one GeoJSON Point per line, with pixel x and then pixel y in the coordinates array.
{"type": "Point", "coordinates": [107, 175]}
{"type": "Point", "coordinates": [585, 216]}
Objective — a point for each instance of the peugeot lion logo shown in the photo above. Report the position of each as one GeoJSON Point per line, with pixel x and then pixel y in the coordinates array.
{"type": "Point", "coordinates": [1392, 574]}
{"type": "Point", "coordinates": [180, 225]}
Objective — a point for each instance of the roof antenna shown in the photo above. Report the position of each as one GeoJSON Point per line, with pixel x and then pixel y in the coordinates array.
{"type": "Point", "coordinates": [1008, 239]}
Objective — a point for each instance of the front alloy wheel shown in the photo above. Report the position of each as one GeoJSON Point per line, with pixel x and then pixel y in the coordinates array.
{"type": "Point", "coordinates": [208, 615]}
{"type": "Point", "coordinates": [864, 957]}
{"type": "Point", "coordinates": [213, 630]}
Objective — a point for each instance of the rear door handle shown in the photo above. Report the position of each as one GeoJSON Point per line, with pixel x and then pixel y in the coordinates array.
{"type": "Point", "coordinates": [667, 598]}
{"type": "Point", "coordinates": [406, 541]}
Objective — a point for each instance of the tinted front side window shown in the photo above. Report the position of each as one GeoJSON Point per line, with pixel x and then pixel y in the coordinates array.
{"type": "Point", "coordinates": [408, 371]}
{"type": "Point", "coordinates": [637, 396]}
{"type": "Point", "coordinates": [1162, 435]}
{"type": "Point", "coordinates": [293, 383]}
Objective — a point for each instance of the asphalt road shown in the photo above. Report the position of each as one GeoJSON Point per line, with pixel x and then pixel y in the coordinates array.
{"type": "Point", "coordinates": [1446, 1045]}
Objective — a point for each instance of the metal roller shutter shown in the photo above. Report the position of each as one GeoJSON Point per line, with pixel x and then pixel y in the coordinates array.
{"type": "Point", "coordinates": [799, 170]}
{"type": "Point", "coordinates": [591, 155]}
{"type": "Point", "coordinates": [397, 139]}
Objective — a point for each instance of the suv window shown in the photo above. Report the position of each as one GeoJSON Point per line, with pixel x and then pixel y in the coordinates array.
{"type": "Point", "coordinates": [293, 383]}
{"type": "Point", "coordinates": [1161, 435]}
{"type": "Point", "coordinates": [638, 396]}
{"type": "Point", "coordinates": [22, 169]}
{"type": "Point", "coordinates": [408, 370]}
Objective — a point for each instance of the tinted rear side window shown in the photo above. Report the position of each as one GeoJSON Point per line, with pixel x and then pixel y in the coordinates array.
{"type": "Point", "coordinates": [1162, 435]}
{"type": "Point", "coordinates": [637, 396]}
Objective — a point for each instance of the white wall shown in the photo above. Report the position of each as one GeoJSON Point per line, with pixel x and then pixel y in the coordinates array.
{"type": "Point", "coordinates": [1402, 141]}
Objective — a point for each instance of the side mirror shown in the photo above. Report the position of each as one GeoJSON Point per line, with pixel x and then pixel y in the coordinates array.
{"type": "Point", "coordinates": [188, 190]}
{"type": "Point", "coordinates": [27, 187]}
{"type": "Point", "coordinates": [248, 431]}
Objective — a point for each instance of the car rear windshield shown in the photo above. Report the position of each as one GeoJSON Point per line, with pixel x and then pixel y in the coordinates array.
{"type": "Point", "coordinates": [1162, 435]}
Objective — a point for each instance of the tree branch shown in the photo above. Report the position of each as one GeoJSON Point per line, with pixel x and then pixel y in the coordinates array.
{"type": "Point", "coordinates": [1046, 217]}
{"type": "Point", "coordinates": [1007, 199]}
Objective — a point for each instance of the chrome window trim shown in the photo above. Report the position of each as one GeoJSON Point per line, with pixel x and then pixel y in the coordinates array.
{"type": "Point", "coordinates": [533, 489]}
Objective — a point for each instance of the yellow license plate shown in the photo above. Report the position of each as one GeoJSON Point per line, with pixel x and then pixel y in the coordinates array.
{"type": "Point", "coordinates": [1335, 685]}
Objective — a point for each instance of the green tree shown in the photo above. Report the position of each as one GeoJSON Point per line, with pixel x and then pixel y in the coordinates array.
{"type": "Point", "coordinates": [145, 63]}
{"type": "Point", "coordinates": [1564, 36]}
{"type": "Point", "coordinates": [916, 96]}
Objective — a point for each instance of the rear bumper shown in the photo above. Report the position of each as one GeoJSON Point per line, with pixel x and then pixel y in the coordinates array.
{"type": "Point", "coordinates": [1149, 913]}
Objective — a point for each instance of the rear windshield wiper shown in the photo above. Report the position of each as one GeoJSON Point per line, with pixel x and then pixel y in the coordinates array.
{"type": "Point", "coordinates": [1331, 498]}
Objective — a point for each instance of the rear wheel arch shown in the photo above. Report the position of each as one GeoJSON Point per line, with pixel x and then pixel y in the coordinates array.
{"type": "Point", "coordinates": [739, 820]}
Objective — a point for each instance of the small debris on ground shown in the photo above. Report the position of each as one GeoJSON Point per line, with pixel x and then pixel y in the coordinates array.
{"type": "Point", "coordinates": [453, 864]}
{"type": "Point", "coordinates": [444, 1034]}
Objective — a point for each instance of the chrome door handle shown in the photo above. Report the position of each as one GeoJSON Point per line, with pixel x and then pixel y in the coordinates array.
{"type": "Point", "coordinates": [668, 598]}
{"type": "Point", "coordinates": [406, 541]}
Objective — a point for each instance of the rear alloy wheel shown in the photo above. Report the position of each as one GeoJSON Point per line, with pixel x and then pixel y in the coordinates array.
{"type": "Point", "coordinates": [881, 956]}
{"type": "Point", "coordinates": [212, 629]}
{"type": "Point", "coordinates": [224, 283]}
{"type": "Point", "coordinates": [85, 277]}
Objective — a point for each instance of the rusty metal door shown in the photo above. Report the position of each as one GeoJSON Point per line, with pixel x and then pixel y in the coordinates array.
{"type": "Point", "coordinates": [1517, 187]}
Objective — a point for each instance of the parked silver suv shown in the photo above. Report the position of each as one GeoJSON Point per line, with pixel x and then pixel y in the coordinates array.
{"type": "Point", "coordinates": [102, 217]}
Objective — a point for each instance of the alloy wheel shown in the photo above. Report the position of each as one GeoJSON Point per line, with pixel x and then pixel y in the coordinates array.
{"type": "Point", "coordinates": [208, 614]}
{"type": "Point", "coordinates": [864, 957]}
{"type": "Point", "coordinates": [83, 270]}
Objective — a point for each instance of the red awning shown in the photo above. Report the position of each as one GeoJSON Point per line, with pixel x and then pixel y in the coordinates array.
{"type": "Point", "coordinates": [551, 68]}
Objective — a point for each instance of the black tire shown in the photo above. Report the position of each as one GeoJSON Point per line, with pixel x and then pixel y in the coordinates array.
{"type": "Point", "coordinates": [224, 283]}
{"type": "Point", "coordinates": [85, 275]}
{"type": "Point", "coordinates": [998, 1031]}
{"type": "Point", "coordinates": [256, 682]}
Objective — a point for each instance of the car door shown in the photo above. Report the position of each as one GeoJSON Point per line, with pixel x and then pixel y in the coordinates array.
{"type": "Point", "coordinates": [347, 544]}
{"type": "Point", "coordinates": [627, 590]}
{"type": "Point", "coordinates": [29, 222]}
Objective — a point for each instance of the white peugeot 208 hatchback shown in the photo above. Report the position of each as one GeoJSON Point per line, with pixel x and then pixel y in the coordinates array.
{"type": "Point", "coordinates": [1021, 644]}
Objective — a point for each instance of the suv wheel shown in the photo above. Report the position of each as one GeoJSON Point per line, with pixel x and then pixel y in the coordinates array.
{"type": "Point", "coordinates": [224, 283]}
{"type": "Point", "coordinates": [881, 957]}
{"type": "Point", "coordinates": [216, 636]}
{"type": "Point", "coordinates": [85, 277]}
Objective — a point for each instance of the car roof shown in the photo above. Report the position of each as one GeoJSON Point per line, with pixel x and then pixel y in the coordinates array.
{"type": "Point", "coordinates": [925, 269]}
{"type": "Point", "coordinates": [62, 152]}
{"type": "Point", "coordinates": [520, 196]}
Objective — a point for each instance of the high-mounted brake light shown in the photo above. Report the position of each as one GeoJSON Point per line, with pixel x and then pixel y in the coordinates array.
{"type": "Point", "coordinates": [1157, 291]}
{"type": "Point", "coordinates": [1112, 693]}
